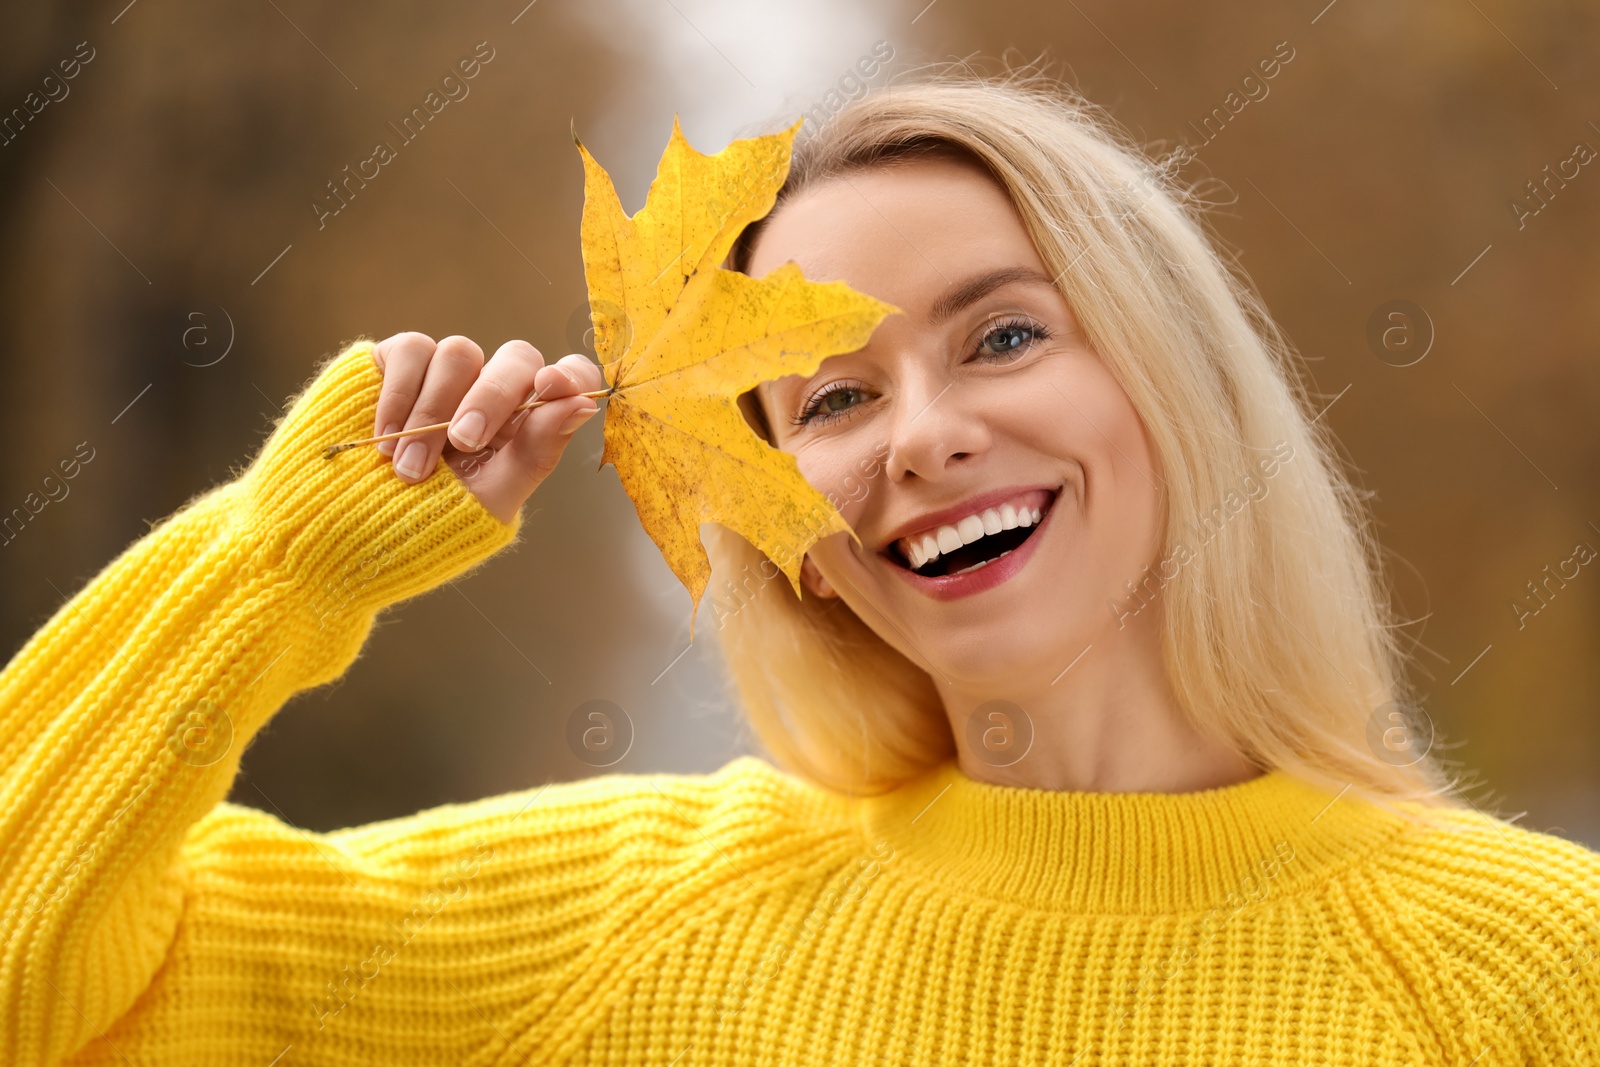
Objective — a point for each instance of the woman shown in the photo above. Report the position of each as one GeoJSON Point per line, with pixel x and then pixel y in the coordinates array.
{"type": "Point", "coordinates": [1089, 742]}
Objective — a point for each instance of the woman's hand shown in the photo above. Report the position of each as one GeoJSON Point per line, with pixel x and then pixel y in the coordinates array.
{"type": "Point", "coordinates": [500, 456]}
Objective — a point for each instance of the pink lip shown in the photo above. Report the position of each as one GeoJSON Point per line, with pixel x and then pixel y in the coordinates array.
{"type": "Point", "coordinates": [956, 586]}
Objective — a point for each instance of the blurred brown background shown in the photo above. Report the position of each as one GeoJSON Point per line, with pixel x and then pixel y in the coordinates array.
{"type": "Point", "coordinates": [159, 205]}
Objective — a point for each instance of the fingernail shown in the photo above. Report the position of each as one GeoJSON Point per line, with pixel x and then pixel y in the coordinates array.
{"type": "Point", "coordinates": [469, 430]}
{"type": "Point", "coordinates": [412, 457]}
{"type": "Point", "coordinates": [387, 447]}
{"type": "Point", "coordinates": [576, 419]}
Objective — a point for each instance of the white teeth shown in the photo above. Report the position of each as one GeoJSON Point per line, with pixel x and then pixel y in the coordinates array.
{"type": "Point", "coordinates": [929, 546]}
{"type": "Point", "coordinates": [985, 563]}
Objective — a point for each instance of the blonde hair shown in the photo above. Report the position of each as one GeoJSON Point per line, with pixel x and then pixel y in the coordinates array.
{"type": "Point", "coordinates": [1276, 632]}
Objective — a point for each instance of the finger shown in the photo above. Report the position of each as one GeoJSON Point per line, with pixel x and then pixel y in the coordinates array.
{"type": "Point", "coordinates": [506, 479]}
{"type": "Point", "coordinates": [505, 382]}
{"type": "Point", "coordinates": [571, 374]}
{"type": "Point", "coordinates": [502, 476]}
{"type": "Point", "coordinates": [584, 371]}
{"type": "Point", "coordinates": [403, 360]}
{"type": "Point", "coordinates": [455, 365]}
{"type": "Point", "coordinates": [533, 453]}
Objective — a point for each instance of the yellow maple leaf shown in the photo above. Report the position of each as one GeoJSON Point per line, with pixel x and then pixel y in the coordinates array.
{"type": "Point", "coordinates": [680, 338]}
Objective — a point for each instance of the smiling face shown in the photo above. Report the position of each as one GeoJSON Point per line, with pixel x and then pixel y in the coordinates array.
{"type": "Point", "coordinates": [1002, 485]}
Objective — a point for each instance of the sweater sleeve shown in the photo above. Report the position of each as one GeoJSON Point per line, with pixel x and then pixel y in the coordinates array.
{"type": "Point", "coordinates": [122, 720]}
{"type": "Point", "coordinates": [1486, 938]}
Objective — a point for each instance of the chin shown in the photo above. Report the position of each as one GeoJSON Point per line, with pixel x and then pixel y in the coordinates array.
{"type": "Point", "coordinates": [1004, 656]}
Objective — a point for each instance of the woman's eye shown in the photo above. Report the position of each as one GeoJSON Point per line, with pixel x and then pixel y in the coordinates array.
{"type": "Point", "coordinates": [830, 404]}
{"type": "Point", "coordinates": [1004, 342]}
{"type": "Point", "coordinates": [1011, 339]}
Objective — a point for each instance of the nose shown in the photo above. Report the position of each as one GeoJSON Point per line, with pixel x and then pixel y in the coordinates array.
{"type": "Point", "coordinates": [934, 429]}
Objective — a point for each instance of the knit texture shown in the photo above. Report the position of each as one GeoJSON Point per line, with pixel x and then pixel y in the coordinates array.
{"type": "Point", "coordinates": [737, 917]}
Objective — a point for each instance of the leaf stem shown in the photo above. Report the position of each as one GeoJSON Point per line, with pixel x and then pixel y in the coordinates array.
{"type": "Point", "coordinates": [333, 450]}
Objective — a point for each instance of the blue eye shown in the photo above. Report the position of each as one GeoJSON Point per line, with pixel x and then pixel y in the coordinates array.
{"type": "Point", "coordinates": [1010, 339]}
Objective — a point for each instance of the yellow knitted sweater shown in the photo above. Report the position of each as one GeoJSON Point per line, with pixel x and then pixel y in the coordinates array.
{"type": "Point", "coordinates": [740, 917]}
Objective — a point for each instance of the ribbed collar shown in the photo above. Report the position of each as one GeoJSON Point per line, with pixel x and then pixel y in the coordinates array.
{"type": "Point", "coordinates": [1123, 853]}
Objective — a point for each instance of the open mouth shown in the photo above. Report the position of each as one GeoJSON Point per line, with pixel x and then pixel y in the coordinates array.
{"type": "Point", "coordinates": [976, 541]}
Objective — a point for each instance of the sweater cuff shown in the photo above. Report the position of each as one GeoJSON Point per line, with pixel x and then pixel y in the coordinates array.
{"type": "Point", "coordinates": [346, 528]}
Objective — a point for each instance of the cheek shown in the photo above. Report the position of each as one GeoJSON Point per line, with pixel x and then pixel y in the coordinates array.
{"type": "Point", "coordinates": [1134, 509]}
{"type": "Point", "coordinates": [1102, 432]}
{"type": "Point", "coordinates": [1112, 418]}
{"type": "Point", "coordinates": [1133, 457]}
{"type": "Point", "coordinates": [833, 557]}
{"type": "Point", "coordinates": [842, 473]}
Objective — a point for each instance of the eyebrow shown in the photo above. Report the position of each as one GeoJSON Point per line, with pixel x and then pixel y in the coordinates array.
{"type": "Point", "coordinates": [974, 289]}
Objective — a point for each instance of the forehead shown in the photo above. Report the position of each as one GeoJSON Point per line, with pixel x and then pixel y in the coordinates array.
{"type": "Point", "coordinates": [900, 232]}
